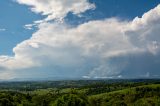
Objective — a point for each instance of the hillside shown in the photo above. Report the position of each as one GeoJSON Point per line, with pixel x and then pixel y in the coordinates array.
{"type": "Point", "coordinates": [81, 93]}
{"type": "Point", "coordinates": [147, 95]}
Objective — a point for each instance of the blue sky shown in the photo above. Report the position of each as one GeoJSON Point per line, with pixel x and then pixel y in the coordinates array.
{"type": "Point", "coordinates": [126, 9]}
{"type": "Point", "coordinates": [48, 52]}
{"type": "Point", "coordinates": [13, 18]}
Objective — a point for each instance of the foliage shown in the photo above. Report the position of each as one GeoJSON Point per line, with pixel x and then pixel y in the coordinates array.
{"type": "Point", "coordinates": [81, 93]}
{"type": "Point", "coordinates": [71, 100]}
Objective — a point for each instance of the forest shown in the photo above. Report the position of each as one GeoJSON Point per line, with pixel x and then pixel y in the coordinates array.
{"type": "Point", "coordinates": [120, 92]}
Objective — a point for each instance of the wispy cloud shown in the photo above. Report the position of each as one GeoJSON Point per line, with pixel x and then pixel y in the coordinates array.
{"type": "Point", "coordinates": [2, 29]}
{"type": "Point", "coordinates": [58, 9]}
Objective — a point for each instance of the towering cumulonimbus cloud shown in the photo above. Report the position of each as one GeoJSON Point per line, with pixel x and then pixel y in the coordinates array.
{"type": "Point", "coordinates": [108, 48]}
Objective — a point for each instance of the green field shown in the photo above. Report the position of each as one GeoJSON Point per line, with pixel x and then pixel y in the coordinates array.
{"type": "Point", "coordinates": [81, 93]}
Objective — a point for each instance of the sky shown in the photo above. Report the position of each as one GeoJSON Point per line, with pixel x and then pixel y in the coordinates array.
{"type": "Point", "coordinates": [79, 39]}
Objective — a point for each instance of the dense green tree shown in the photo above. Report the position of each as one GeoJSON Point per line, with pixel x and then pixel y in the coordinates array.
{"type": "Point", "coordinates": [71, 100]}
{"type": "Point", "coordinates": [6, 102]}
